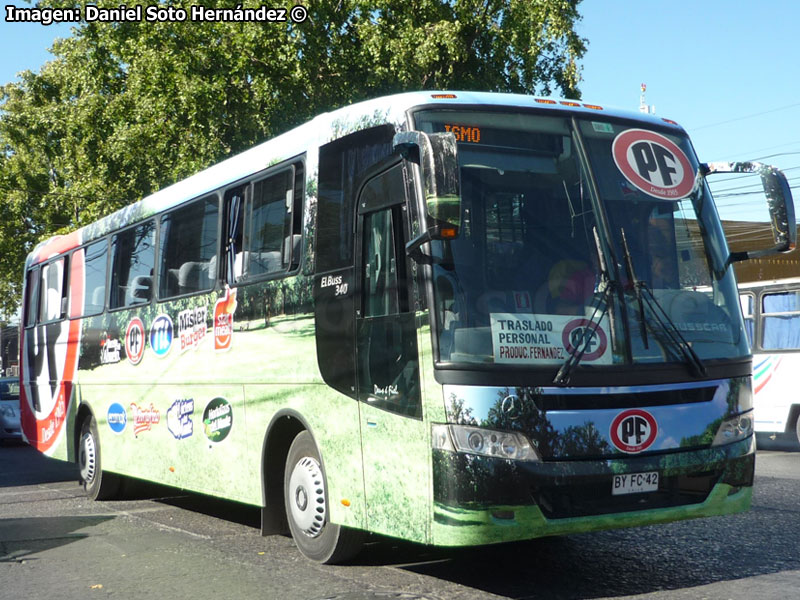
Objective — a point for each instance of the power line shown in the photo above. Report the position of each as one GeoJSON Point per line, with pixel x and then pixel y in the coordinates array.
{"type": "Point", "coordinates": [758, 114]}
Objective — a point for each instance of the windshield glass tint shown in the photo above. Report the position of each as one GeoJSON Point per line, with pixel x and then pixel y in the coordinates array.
{"type": "Point", "coordinates": [540, 256]}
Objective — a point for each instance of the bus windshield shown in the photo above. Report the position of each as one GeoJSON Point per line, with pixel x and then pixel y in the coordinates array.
{"type": "Point", "coordinates": [581, 239]}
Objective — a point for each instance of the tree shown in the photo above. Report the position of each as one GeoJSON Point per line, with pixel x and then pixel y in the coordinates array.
{"type": "Point", "coordinates": [126, 108]}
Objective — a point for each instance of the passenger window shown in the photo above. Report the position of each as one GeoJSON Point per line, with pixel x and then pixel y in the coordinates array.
{"type": "Point", "coordinates": [271, 240]}
{"type": "Point", "coordinates": [748, 305]}
{"type": "Point", "coordinates": [95, 265]}
{"type": "Point", "coordinates": [133, 260]}
{"type": "Point", "coordinates": [52, 297]}
{"type": "Point", "coordinates": [781, 321]}
{"type": "Point", "coordinates": [188, 249]}
{"type": "Point", "coordinates": [31, 297]}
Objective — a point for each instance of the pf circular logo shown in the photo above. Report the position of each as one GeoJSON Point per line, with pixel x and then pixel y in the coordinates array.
{"type": "Point", "coordinates": [654, 164]}
{"type": "Point", "coordinates": [134, 340]}
{"type": "Point", "coordinates": [583, 333]}
{"type": "Point", "coordinates": [161, 333]}
{"type": "Point", "coordinates": [633, 431]}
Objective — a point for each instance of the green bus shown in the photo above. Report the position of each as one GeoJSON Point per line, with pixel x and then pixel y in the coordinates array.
{"type": "Point", "coordinates": [452, 318]}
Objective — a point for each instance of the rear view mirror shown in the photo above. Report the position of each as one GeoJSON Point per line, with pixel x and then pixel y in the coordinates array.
{"type": "Point", "coordinates": [779, 203]}
{"type": "Point", "coordinates": [437, 156]}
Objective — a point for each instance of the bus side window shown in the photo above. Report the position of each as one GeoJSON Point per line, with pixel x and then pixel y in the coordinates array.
{"type": "Point", "coordinates": [188, 249]}
{"type": "Point", "coordinates": [133, 261]}
{"type": "Point", "coordinates": [52, 296]}
{"type": "Point", "coordinates": [780, 320]}
{"type": "Point", "coordinates": [267, 238]}
{"type": "Point", "coordinates": [31, 297]}
{"type": "Point", "coordinates": [94, 259]}
{"type": "Point", "coordinates": [748, 305]}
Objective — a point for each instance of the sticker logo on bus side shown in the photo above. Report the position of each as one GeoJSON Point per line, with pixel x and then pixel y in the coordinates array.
{"type": "Point", "coordinates": [218, 419]}
{"type": "Point", "coordinates": [633, 431]}
{"type": "Point", "coordinates": [653, 164]}
{"type": "Point", "coordinates": [161, 333]}
{"type": "Point", "coordinates": [223, 320]}
{"type": "Point", "coordinates": [179, 418]}
{"type": "Point", "coordinates": [117, 417]}
{"type": "Point", "coordinates": [134, 340]}
{"type": "Point", "coordinates": [144, 418]}
{"type": "Point", "coordinates": [192, 327]}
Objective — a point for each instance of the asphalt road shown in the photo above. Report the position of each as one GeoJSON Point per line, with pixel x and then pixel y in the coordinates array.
{"type": "Point", "coordinates": [56, 544]}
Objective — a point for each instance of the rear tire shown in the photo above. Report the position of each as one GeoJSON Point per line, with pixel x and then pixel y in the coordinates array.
{"type": "Point", "coordinates": [305, 496]}
{"type": "Point", "coordinates": [97, 484]}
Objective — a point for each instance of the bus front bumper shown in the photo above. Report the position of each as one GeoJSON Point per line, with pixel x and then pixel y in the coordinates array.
{"type": "Point", "coordinates": [480, 500]}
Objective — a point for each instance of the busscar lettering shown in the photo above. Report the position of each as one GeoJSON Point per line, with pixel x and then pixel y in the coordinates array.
{"type": "Point", "coordinates": [43, 16]}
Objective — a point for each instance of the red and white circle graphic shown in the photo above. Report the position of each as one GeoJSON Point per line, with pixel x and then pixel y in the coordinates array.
{"type": "Point", "coordinates": [654, 164]}
{"type": "Point", "coordinates": [584, 333]}
{"type": "Point", "coordinates": [135, 340]}
{"type": "Point", "coordinates": [633, 430]}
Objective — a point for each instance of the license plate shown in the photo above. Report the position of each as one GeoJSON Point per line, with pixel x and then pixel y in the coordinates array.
{"type": "Point", "coordinates": [635, 483]}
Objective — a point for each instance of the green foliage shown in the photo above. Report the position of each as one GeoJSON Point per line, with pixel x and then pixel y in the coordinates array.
{"type": "Point", "coordinates": [125, 109]}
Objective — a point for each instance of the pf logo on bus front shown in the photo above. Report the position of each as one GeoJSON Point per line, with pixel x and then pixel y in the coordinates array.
{"type": "Point", "coordinates": [633, 431]}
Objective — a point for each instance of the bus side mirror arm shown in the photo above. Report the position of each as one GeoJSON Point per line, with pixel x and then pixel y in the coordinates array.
{"type": "Point", "coordinates": [438, 208]}
{"type": "Point", "coordinates": [414, 249]}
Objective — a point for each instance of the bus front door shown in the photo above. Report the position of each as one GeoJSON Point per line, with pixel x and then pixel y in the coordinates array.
{"type": "Point", "coordinates": [394, 439]}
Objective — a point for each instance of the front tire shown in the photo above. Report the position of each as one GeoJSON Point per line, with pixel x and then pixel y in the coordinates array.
{"type": "Point", "coordinates": [306, 500]}
{"type": "Point", "coordinates": [797, 429]}
{"type": "Point", "coordinates": [97, 484]}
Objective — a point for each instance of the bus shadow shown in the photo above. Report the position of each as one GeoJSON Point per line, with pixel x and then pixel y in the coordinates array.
{"type": "Point", "coordinates": [781, 441]}
{"type": "Point", "coordinates": [22, 465]}
{"type": "Point", "coordinates": [632, 562]}
{"type": "Point", "coordinates": [226, 510]}
{"type": "Point", "coordinates": [21, 539]}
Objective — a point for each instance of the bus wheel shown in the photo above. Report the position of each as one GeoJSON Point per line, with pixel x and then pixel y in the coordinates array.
{"type": "Point", "coordinates": [306, 500]}
{"type": "Point", "coordinates": [98, 485]}
{"type": "Point", "coordinates": [797, 428]}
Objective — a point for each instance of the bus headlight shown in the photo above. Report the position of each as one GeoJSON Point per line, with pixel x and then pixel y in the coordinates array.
{"type": "Point", "coordinates": [484, 442]}
{"type": "Point", "coordinates": [734, 429]}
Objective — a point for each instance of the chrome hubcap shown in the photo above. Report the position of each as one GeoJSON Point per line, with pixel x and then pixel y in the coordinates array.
{"type": "Point", "coordinates": [88, 458]}
{"type": "Point", "coordinates": [307, 496]}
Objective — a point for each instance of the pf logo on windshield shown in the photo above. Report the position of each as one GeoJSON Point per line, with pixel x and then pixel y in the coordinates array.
{"type": "Point", "coordinates": [633, 431]}
{"type": "Point", "coordinates": [654, 164]}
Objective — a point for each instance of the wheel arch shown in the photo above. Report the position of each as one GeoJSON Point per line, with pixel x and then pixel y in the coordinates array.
{"type": "Point", "coordinates": [284, 427]}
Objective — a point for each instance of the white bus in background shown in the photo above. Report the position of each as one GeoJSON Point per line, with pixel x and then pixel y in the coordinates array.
{"type": "Point", "coordinates": [772, 319]}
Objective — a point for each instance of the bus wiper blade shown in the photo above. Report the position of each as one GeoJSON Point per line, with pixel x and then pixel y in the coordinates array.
{"type": "Point", "coordinates": [637, 287]}
{"type": "Point", "coordinates": [605, 298]}
{"type": "Point", "coordinates": [579, 348]}
{"type": "Point", "coordinates": [673, 334]}
{"type": "Point", "coordinates": [666, 324]}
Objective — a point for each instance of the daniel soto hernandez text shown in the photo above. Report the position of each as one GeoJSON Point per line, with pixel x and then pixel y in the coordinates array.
{"type": "Point", "coordinates": [155, 13]}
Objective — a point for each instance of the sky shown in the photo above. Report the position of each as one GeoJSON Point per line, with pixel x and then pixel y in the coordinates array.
{"type": "Point", "coordinates": [727, 70]}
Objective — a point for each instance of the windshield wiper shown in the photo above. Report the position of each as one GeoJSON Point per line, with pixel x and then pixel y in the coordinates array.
{"type": "Point", "coordinates": [667, 326]}
{"type": "Point", "coordinates": [673, 334]}
{"type": "Point", "coordinates": [637, 286]}
{"type": "Point", "coordinates": [601, 307]}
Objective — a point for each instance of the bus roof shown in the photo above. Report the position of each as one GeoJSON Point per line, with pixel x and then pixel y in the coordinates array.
{"type": "Point", "coordinates": [322, 129]}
